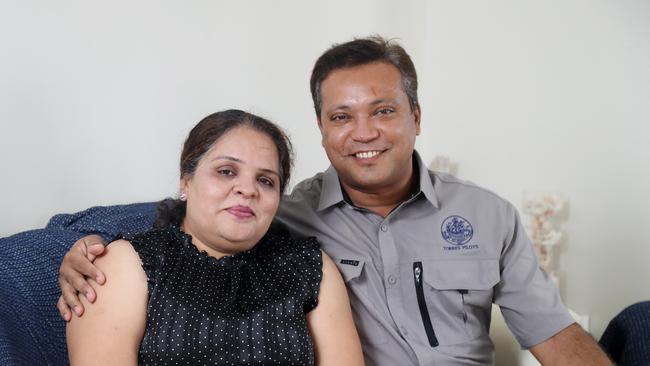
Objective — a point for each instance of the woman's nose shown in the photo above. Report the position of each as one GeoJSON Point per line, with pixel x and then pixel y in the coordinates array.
{"type": "Point", "coordinates": [245, 189]}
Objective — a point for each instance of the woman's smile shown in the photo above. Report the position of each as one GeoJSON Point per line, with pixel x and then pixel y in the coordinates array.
{"type": "Point", "coordinates": [241, 212]}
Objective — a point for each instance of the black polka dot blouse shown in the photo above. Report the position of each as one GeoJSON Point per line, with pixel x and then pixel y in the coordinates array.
{"type": "Point", "coordinates": [244, 309]}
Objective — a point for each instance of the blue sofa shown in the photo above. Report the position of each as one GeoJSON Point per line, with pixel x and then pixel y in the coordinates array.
{"type": "Point", "coordinates": [627, 337]}
{"type": "Point", "coordinates": [31, 331]}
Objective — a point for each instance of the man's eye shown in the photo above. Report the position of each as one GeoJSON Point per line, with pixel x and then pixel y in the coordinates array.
{"type": "Point", "coordinates": [385, 111]}
{"type": "Point", "coordinates": [339, 117]}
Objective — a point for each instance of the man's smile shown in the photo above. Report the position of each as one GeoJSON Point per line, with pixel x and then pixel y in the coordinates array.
{"type": "Point", "coordinates": [366, 154]}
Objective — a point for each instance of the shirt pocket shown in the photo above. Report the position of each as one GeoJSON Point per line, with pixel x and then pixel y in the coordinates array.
{"type": "Point", "coordinates": [367, 318]}
{"type": "Point", "coordinates": [350, 268]}
{"type": "Point", "coordinates": [458, 295]}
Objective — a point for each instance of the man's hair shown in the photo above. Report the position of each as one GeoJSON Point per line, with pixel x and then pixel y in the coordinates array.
{"type": "Point", "coordinates": [362, 51]}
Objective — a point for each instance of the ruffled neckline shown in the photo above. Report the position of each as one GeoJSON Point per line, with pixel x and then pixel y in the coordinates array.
{"type": "Point", "coordinates": [230, 259]}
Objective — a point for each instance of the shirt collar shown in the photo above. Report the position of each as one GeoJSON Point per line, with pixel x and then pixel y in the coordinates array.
{"type": "Point", "coordinates": [332, 192]}
{"type": "Point", "coordinates": [426, 184]}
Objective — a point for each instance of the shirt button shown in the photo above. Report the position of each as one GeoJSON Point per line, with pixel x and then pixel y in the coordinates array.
{"type": "Point", "coordinates": [392, 279]}
{"type": "Point", "coordinates": [384, 228]}
{"type": "Point", "coordinates": [404, 330]}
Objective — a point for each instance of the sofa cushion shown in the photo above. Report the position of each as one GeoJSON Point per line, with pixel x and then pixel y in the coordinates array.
{"type": "Point", "coordinates": [31, 331]}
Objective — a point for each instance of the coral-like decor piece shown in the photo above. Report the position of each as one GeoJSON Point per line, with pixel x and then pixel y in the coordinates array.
{"type": "Point", "coordinates": [543, 210]}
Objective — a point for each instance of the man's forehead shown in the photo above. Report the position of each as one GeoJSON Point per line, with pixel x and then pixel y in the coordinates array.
{"type": "Point", "coordinates": [369, 84]}
{"type": "Point", "coordinates": [376, 69]}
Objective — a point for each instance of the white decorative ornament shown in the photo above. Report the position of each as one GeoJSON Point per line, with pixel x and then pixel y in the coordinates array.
{"type": "Point", "coordinates": [543, 209]}
{"type": "Point", "coordinates": [442, 164]}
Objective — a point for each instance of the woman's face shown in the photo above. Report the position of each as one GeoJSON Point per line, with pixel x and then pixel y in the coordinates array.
{"type": "Point", "coordinates": [234, 193]}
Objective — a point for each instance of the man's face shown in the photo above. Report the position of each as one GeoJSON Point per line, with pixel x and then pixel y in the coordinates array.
{"type": "Point", "coordinates": [367, 126]}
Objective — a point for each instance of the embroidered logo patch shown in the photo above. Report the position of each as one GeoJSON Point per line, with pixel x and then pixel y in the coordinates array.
{"type": "Point", "coordinates": [350, 262]}
{"type": "Point", "coordinates": [456, 230]}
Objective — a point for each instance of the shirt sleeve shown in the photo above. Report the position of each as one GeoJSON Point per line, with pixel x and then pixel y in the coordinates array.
{"type": "Point", "coordinates": [308, 258]}
{"type": "Point", "coordinates": [529, 300]}
{"type": "Point", "coordinates": [108, 221]}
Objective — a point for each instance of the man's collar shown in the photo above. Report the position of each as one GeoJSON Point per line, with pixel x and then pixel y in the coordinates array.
{"type": "Point", "coordinates": [332, 192]}
{"type": "Point", "coordinates": [426, 185]}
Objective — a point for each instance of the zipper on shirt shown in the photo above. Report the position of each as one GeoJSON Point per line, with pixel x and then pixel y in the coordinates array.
{"type": "Point", "coordinates": [462, 293]}
{"type": "Point", "coordinates": [426, 320]}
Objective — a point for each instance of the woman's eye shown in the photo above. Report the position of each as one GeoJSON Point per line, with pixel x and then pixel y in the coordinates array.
{"type": "Point", "coordinates": [266, 181]}
{"type": "Point", "coordinates": [226, 171]}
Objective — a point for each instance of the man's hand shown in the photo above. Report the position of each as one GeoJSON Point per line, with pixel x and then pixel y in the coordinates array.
{"type": "Point", "coordinates": [570, 346]}
{"type": "Point", "coordinates": [77, 266]}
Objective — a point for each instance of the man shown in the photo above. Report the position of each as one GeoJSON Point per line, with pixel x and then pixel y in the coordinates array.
{"type": "Point", "coordinates": [424, 255]}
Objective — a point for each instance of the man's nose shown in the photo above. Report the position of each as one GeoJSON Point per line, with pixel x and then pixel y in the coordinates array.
{"type": "Point", "coordinates": [364, 130]}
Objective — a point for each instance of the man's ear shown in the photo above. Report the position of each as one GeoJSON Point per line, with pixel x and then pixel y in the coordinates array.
{"type": "Point", "coordinates": [320, 127]}
{"type": "Point", "coordinates": [417, 114]}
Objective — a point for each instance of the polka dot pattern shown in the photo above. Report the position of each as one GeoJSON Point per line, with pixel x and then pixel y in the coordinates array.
{"type": "Point", "coordinates": [244, 309]}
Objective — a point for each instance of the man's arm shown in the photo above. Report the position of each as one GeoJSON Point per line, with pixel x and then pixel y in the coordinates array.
{"type": "Point", "coordinates": [570, 346]}
{"type": "Point", "coordinates": [75, 270]}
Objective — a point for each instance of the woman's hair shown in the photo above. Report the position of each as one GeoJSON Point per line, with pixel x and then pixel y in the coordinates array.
{"type": "Point", "coordinates": [201, 139]}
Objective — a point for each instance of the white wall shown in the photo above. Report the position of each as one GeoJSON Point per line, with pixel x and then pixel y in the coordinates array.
{"type": "Point", "coordinates": [97, 97]}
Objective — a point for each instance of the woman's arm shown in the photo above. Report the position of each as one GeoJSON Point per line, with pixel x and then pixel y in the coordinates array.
{"type": "Point", "coordinates": [112, 328]}
{"type": "Point", "coordinates": [335, 338]}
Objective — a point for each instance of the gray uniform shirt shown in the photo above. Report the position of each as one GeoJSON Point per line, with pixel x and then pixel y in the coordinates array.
{"type": "Point", "coordinates": [422, 280]}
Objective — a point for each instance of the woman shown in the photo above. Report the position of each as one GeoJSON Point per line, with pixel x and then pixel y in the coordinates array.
{"type": "Point", "coordinates": [212, 284]}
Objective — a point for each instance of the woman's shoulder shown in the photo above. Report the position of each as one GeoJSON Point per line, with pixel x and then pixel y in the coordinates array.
{"type": "Point", "coordinates": [156, 240]}
{"type": "Point", "coordinates": [280, 245]}
{"type": "Point", "coordinates": [302, 254]}
{"type": "Point", "coordinates": [279, 238]}
{"type": "Point", "coordinates": [155, 235]}
{"type": "Point", "coordinates": [157, 246]}
{"type": "Point", "coordinates": [120, 256]}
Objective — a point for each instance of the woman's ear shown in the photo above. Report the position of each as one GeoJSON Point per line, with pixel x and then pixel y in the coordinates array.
{"type": "Point", "coordinates": [183, 188]}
